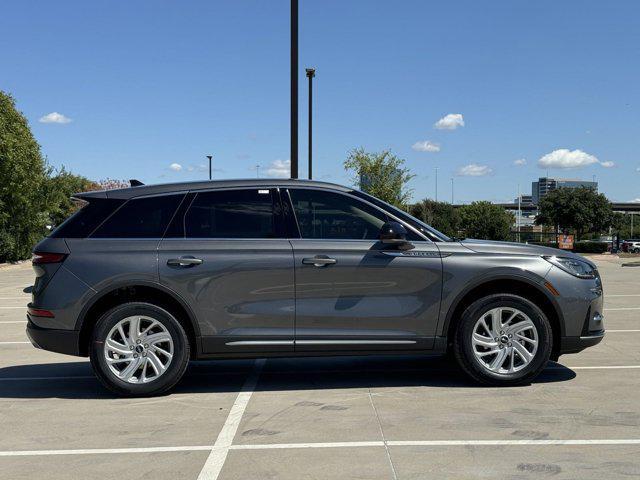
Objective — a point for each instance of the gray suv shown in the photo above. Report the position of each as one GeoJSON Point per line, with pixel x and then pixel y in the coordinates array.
{"type": "Point", "coordinates": [143, 279]}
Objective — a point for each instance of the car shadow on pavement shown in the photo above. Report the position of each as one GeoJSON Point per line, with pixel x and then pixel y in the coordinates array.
{"type": "Point", "coordinates": [75, 380]}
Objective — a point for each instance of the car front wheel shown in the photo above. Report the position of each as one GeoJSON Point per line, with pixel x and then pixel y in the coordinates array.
{"type": "Point", "coordinates": [503, 339]}
{"type": "Point", "coordinates": [139, 349]}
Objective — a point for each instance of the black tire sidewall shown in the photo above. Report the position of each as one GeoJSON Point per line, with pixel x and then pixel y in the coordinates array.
{"type": "Point", "coordinates": [180, 349]}
{"type": "Point", "coordinates": [464, 349]}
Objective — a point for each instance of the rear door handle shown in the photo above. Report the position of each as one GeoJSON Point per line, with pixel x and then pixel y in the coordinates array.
{"type": "Point", "coordinates": [319, 261]}
{"type": "Point", "coordinates": [184, 262]}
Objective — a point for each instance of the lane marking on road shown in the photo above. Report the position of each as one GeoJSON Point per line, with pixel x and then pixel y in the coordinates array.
{"type": "Point", "coordinates": [213, 466]}
{"type": "Point", "coordinates": [277, 446]}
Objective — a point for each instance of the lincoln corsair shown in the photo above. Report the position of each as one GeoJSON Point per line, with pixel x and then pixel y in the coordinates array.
{"type": "Point", "coordinates": [143, 279]}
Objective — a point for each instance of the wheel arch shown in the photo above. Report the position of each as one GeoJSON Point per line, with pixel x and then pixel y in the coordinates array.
{"type": "Point", "coordinates": [517, 285]}
{"type": "Point", "coordinates": [143, 292]}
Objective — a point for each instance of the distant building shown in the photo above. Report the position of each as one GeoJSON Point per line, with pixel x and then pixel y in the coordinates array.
{"type": "Point", "coordinates": [524, 200]}
{"type": "Point", "coordinates": [545, 185]}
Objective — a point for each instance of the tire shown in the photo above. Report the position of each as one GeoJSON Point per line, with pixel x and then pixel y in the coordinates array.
{"type": "Point", "coordinates": [474, 353]}
{"type": "Point", "coordinates": [158, 365]}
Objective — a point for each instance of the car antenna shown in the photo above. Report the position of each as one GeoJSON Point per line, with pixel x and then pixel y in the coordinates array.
{"type": "Point", "coordinates": [135, 183]}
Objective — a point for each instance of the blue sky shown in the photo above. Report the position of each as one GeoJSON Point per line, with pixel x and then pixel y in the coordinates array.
{"type": "Point", "coordinates": [148, 84]}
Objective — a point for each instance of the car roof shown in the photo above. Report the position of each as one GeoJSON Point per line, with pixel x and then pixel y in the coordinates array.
{"type": "Point", "coordinates": [144, 190]}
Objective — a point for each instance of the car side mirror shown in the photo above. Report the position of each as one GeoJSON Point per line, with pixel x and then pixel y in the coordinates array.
{"type": "Point", "coordinates": [394, 233]}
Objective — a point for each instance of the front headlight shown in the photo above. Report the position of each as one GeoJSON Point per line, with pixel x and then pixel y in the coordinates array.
{"type": "Point", "coordinates": [575, 267]}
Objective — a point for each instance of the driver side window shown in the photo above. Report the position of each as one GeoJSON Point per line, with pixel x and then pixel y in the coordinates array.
{"type": "Point", "coordinates": [328, 215]}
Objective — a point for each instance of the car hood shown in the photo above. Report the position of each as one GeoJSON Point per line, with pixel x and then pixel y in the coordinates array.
{"type": "Point", "coordinates": [511, 248]}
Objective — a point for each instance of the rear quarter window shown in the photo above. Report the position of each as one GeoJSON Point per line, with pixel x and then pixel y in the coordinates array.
{"type": "Point", "coordinates": [140, 218]}
{"type": "Point", "coordinates": [85, 220]}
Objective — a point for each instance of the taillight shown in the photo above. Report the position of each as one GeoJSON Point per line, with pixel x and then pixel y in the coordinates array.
{"type": "Point", "coordinates": [40, 258]}
{"type": "Point", "coordinates": [38, 312]}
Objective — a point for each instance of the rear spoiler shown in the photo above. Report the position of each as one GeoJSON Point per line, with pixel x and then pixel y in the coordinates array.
{"type": "Point", "coordinates": [86, 196]}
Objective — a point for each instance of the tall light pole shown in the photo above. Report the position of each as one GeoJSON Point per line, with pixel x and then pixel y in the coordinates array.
{"type": "Point", "coordinates": [209, 157]}
{"type": "Point", "coordinates": [294, 89]}
{"type": "Point", "coordinates": [311, 72]}
{"type": "Point", "coordinates": [451, 190]}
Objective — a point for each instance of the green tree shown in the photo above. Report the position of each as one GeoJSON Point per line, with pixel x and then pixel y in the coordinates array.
{"type": "Point", "coordinates": [381, 174]}
{"type": "Point", "coordinates": [58, 189]}
{"type": "Point", "coordinates": [440, 215]}
{"type": "Point", "coordinates": [486, 221]}
{"type": "Point", "coordinates": [579, 209]}
{"type": "Point", "coordinates": [23, 173]}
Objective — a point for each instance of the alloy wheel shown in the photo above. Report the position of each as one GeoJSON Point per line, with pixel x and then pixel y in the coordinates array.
{"type": "Point", "coordinates": [138, 349]}
{"type": "Point", "coordinates": [505, 340]}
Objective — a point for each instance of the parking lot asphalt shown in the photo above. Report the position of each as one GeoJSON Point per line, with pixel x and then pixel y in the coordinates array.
{"type": "Point", "coordinates": [325, 418]}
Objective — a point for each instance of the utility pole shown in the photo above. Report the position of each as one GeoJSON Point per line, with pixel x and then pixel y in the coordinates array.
{"type": "Point", "coordinates": [209, 157]}
{"type": "Point", "coordinates": [451, 190]}
{"type": "Point", "coordinates": [311, 72]}
{"type": "Point", "coordinates": [519, 213]}
{"type": "Point", "coordinates": [294, 89]}
{"type": "Point", "coordinates": [436, 184]}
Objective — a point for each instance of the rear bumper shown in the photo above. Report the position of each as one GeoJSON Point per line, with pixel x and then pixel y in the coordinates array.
{"type": "Point", "coordinates": [577, 344]}
{"type": "Point", "coordinates": [60, 341]}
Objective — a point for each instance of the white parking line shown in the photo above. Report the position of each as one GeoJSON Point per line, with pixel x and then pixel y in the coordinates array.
{"type": "Point", "coordinates": [622, 331]}
{"type": "Point", "coordinates": [15, 321]}
{"type": "Point", "coordinates": [379, 443]}
{"type": "Point", "coordinates": [220, 450]}
{"type": "Point", "coordinates": [23, 307]}
{"type": "Point", "coordinates": [621, 308]}
{"type": "Point", "coordinates": [624, 295]}
{"type": "Point", "coordinates": [14, 343]}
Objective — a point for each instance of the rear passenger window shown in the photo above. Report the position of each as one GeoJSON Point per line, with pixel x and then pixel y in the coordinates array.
{"type": "Point", "coordinates": [231, 214]}
{"type": "Point", "coordinates": [140, 218]}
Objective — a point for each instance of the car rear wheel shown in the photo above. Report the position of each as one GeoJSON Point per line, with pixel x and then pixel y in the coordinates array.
{"type": "Point", "coordinates": [139, 349]}
{"type": "Point", "coordinates": [503, 339]}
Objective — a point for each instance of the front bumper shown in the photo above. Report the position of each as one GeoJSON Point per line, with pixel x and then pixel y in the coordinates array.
{"type": "Point", "coordinates": [577, 344]}
{"type": "Point", "coordinates": [60, 341]}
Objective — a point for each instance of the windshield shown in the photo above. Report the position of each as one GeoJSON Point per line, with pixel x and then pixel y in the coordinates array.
{"type": "Point", "coordinates": [427, 230]}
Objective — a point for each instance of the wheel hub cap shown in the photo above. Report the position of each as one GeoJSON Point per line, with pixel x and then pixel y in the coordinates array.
{"type": "Point", "coordinates": [138, 349]}
{"type": "Point", "coordinates": [505, 340]}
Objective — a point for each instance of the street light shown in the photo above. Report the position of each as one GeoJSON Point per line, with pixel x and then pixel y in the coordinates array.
{"type": "Point", "coordinates": [209, 157]}
{"type": "Point", "coordinates": [294, 89]}
{"type": "Point", "coordinates": [311, 72]}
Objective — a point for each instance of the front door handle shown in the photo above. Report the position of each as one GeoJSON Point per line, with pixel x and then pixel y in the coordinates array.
{"type": "Point", "coordinates": [184, 262]}
{"type": "Point", "coordinates": [319, 261]}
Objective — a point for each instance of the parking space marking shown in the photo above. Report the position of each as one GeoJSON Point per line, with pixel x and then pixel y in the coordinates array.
{"type": "Point", "coordinates": [622, 331]}
{"type": "Point", "coordinates": [624, 295]}
{"type": "Point", "coordinates": [212, 467]}
{"type": "Point", "coordinates": [14, 321]}
{"type": "Point", "coordinates": [23, 307]}
{"type": "Point", "coordinates": [97, 451]}
{"type": "Point", "coordinates": [14, 343]}
{"type": "Point", "coordinates": [293, 446]}
{"type": "Point", "coordinates": [621, 308]}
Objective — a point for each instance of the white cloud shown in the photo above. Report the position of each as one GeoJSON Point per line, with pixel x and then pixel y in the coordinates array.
{"type": "Point", "coordinates": [607, 164]}
{"type": "Point", "coordinates": [450, 121]}
{"type": "Point", "coordinates": [474, 170]}
{"type": "Point", "coordinates": [54, 117]}
{"type": "Point", "coordinates": [565, 158]}
{"type": "Point", "coordinates": [279, 168]}
{"type": "Point", "coordinates": [520, 162]}
{"type": "Point", "coordinates": [176, 167]}
{"type": "Point", "coordinates": [635, 200]}
{"type": "Point", "coordinates": [426, 146]}
{"type": "Point", "coordinates": [638, 169]}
